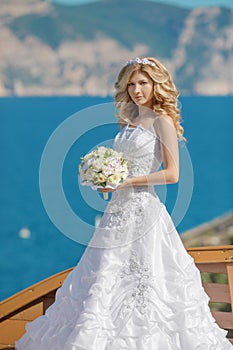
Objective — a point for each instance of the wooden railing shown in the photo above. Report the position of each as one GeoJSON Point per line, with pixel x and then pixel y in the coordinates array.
{"type": "Point", "coordinates": [32, 302]}
{"type": "Point", "coordinates": [218, 260]}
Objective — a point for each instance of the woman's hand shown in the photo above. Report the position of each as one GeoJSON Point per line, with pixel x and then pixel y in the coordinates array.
{"type": "Point", "coordinates": [124, 184]}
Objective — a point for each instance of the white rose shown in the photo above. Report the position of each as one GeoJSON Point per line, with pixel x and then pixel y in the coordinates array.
{"type": "Point", "coordinates": [107, 171]}
{"type": "Point", "coordinates": [114, 179]}
{"type": "Point", "coordinates": [101, 151]}
{"type": "Point", "coordinates": [124, 175]}
{"type": "Point", "coordinates": [101, 178]}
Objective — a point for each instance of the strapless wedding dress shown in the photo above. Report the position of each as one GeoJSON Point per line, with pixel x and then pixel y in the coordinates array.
{"type": "Point", "coordinates": [135, 287]}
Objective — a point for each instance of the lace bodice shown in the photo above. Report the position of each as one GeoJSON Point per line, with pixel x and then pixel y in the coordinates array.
{"type": "Point", "coordinates": [141, 148]}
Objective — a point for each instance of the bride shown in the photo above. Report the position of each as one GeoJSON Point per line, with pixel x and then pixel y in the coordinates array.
{"type": "Point", "coordinates": [135, 287]}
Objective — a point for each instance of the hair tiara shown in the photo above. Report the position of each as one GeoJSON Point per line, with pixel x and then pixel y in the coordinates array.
{"type": "Point", "coordinates": [140, 61]}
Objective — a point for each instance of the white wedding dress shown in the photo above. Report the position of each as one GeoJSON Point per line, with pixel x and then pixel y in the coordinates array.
{"type": "Point", "coordinates": [135, 287]}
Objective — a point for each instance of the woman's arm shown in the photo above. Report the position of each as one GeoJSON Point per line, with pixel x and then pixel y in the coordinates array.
{"type": "Point", "coordinates": [170, 154]}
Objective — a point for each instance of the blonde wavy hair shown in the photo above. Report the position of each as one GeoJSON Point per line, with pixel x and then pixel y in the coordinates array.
{"type": "Point", "coordinates": [165, 94]}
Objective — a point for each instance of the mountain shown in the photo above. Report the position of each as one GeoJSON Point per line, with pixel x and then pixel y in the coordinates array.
{"type": "Point", "coordinates": [49, 49]}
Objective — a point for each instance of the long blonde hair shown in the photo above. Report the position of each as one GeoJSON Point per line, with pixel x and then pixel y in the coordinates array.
{"type": "Point", "coordinates": [165, 94]}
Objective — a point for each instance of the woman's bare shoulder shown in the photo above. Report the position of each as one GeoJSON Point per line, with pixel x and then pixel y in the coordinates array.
{"type": "Point", "coordinates": [162, 123]}
{"type": "Point", "coordinates": [162, 119]}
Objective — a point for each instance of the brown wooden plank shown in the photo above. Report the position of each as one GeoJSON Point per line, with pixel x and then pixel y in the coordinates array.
{"type": "Point", "coordinates": [212, 253]}
{"type": "Point", "coordinates": [11, 330]}
{"type": "Point", "coordinates": [6, 347]}
{"type": "Point", "coordinates": [223, 319]}
{"type": "Point", "coordinates": [218, 292]}
{"type": "Point", "coordinates": [230, 281]}
{"type": "Point", "coordinates": [30, 313]}
{"type": "Point", "coordinates": [32, 293]}
{"type": "Point", "coordinates": [212, 267]}
{"type": "Point", "coordinates": [227, 248]}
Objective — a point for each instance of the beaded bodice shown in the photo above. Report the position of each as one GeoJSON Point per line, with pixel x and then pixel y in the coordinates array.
{"type": "Point", "coordinates": [141, 148]}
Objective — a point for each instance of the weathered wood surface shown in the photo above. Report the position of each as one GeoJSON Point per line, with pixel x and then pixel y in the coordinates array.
{"type": "Point", "coordinates": [32, 302]}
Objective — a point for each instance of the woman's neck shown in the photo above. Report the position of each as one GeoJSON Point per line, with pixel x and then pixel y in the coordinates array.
{"type": "Point", "coordinates": [145, 115]}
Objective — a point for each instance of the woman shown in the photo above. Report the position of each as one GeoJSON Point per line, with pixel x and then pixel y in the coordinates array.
{"type": "Point", "coordinates": [135, 287]}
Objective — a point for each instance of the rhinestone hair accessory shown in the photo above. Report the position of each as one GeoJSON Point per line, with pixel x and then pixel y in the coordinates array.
{"type": "Point", "coordinates": [140, 61]}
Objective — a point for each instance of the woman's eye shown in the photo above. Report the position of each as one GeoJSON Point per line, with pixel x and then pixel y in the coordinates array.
{"type": "Point", "coordinates": [144, 82]}
{"type": "Point", "coordinates": [130, 84]}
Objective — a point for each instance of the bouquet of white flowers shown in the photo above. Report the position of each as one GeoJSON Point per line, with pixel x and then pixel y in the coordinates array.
{"type": "Point", "coordinates": [103, 167]}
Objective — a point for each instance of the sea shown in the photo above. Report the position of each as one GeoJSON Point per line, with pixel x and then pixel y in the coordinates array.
{"type": "Point", "coordinates": [43, 138]}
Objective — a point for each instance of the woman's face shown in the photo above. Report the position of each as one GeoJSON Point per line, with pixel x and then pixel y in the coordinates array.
{"type": "Point", "coordinates": [141, 89]}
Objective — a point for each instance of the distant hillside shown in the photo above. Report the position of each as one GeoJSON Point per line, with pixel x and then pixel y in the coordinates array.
{"type": "Point", "coordinates": [142, 24]}
{"type": "Point", "coordinates": [56, 50]}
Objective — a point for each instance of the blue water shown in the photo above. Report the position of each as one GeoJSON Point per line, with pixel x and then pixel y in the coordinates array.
{"type": "Point", "coordinates": [26, 125]}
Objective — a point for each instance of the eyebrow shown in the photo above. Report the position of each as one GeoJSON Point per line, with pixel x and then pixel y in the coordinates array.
{"type": "Point", "coordinates": [140, 81]}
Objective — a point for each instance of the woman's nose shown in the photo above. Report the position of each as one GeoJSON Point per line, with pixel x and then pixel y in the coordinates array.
{"type": "Point", "coordinates": [137, 89]}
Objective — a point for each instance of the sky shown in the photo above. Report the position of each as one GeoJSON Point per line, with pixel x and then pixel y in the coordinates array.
{"type": "Point", "coordinates": [183, 3]}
